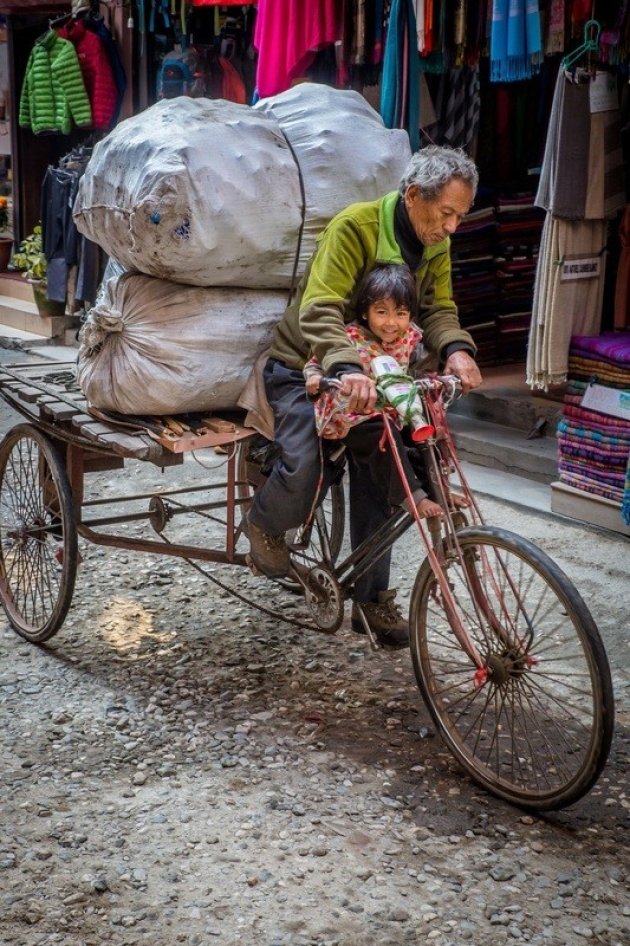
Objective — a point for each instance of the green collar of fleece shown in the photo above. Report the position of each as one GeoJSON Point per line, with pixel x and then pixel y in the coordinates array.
{"type": "Point", "coordinates": [387, 250]}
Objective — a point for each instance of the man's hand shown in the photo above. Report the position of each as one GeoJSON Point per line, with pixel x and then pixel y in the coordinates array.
{"type": "Point", "coordinates": [465, 368]}
{"type": "Point", "coordinates": [361, 390]}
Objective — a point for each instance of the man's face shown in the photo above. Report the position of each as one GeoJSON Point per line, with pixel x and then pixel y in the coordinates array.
{"type": "Point", "coordinates": [434, 220]}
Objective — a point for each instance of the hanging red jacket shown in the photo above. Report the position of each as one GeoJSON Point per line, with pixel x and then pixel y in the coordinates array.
{"type": "Point", "coordinates": [96, 70]}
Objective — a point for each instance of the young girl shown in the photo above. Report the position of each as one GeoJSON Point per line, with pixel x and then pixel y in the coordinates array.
{"type": "Point", "coordinates": [386, 300]}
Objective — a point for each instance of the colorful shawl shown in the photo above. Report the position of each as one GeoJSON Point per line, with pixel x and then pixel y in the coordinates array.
{"type": "Point", "coordinates": [515, 43]}
{"type": "Point", "coordinates": [400, 84]}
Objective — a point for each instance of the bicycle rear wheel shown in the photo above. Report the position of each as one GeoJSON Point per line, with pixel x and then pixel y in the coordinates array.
{"type": "Point", "coordinates": [537, 731]}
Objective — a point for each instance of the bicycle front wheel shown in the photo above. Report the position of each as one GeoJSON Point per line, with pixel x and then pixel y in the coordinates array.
{"type": "Point", "coordinates": [534, 726]}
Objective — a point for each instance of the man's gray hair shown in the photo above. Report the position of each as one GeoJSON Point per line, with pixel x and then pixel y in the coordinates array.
{"type": "Point", "coordinates": [433, 167]}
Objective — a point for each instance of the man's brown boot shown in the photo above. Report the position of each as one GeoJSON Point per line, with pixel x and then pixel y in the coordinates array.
{"type": "Point", "coordinates": [269, 552]}
{"type": "Point", "coordinates": [385, 619]}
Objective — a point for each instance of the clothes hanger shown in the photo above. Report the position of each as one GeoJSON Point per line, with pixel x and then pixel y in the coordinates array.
{"type": "Point", "coordinates": [592, 30]}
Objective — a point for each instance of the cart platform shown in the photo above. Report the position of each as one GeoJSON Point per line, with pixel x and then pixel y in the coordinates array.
{"type": "Point", "coordinates": [48, 395]}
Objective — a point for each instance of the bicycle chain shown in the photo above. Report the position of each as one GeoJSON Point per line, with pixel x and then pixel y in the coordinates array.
{"type": "Point", "coordinates": [303, 625]}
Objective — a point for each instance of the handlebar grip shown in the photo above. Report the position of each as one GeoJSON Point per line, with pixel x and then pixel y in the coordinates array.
{"type": "Point", "coordinates": [325, 384]}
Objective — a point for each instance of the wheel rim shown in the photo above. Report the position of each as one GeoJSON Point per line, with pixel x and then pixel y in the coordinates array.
{"type": "Point", "coordinates": [37, 536]}
{"type": "Point", "coordinates": [532, 730]}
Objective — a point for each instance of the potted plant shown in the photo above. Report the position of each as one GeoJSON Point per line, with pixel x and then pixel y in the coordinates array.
{"type": "Point", "coordinates": [30, 260]}
{"type": "Point", "coordinates": [6, 243]}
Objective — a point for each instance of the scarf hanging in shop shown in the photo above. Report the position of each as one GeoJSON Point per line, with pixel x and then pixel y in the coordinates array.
{"type": "Point", "coordinates": [288, 34]}
{"type": "Point", "coordinates": [581, 11]}
{"type": "Point", "coordinates": [379, 28]}
{"type": "Point", "coordinates": [515, 44]}
{"type": "Point", "coordinates": [563, 307]}
{"type": "Point", "coordinates": [458, 107]}
{"type": "Point", "coordinates": [400, 85]}
{"type": "Point", "coordinates": [359, 34]}
{"type": "Point", "coordinates": [419, 11]}
{"type": "Point", "coordinates": [555, 28]}
{"type": "Point", "coordinates": [436, 56]}
{"type": "Point", "coordinates": [582, 170]}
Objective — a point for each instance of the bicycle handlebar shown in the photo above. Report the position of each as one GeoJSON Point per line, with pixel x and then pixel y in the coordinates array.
{"type": "Point", "coordinates": [446, 382]}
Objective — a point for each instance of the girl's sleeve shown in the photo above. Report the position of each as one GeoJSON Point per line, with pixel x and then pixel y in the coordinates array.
{"type": "Point", "coordinates": [312, 369]}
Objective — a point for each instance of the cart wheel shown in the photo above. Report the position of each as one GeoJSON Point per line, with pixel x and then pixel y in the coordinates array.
{"type": "Point", "coordinates": [38, 535]}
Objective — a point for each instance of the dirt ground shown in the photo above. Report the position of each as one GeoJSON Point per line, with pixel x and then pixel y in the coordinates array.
{"type": "Point", "coordinates": [179, 768]}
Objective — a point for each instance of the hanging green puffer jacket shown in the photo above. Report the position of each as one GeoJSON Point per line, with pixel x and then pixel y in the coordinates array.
{"type": "Point", "coordinates": [54, 92]}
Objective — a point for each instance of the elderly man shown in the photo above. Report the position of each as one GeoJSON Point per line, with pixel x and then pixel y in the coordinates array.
{"type": "Point", "coordinates": [412, 226]}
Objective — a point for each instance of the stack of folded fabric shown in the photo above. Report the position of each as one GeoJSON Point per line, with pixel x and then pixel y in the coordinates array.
{"type": "Point", "coordinates": [594, 430]}
{"type": "Point", "coordinates": [474, 279]}
{"type": "Point", "coordinates": [519, 225]}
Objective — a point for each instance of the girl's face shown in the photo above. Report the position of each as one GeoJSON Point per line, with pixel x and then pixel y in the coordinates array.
{"type": "Point", "coordinates": [387, 320]}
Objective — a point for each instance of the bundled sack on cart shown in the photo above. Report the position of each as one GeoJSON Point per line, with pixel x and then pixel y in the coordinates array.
{"type": "Point", "coordinates": [155, 347]}
{"type": "Point", "coordinates": [210, 193]}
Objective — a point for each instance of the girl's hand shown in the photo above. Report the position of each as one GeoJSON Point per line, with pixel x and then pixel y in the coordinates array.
{"type": "Point", "coordinates": [312, 385]}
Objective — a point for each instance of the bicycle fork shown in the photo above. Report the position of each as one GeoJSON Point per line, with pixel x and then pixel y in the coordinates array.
{"type": "Point", "coordinates": [448, 601]}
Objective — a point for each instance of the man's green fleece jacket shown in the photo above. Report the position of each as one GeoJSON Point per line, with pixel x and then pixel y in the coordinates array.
{"type": "Point", "coordinates": [356, 240]}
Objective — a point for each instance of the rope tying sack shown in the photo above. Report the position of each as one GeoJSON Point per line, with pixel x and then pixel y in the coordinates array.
{"type": "Point", "coordinates": [100, 323]}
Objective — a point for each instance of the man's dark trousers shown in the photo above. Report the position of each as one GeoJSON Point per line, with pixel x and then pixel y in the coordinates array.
{"type": "Point", "coordinates": [285, 500]}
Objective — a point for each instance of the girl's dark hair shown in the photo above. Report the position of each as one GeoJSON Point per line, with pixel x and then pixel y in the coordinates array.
{"type": "Point", "coordinates": [392, 281]}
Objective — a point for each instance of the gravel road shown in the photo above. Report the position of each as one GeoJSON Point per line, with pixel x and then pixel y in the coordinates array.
{"type": "Point", "coordinates": [178, 768]}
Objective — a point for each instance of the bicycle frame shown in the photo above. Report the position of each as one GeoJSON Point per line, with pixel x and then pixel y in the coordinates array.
{"type": "Point", "coordinates": [442, 462]}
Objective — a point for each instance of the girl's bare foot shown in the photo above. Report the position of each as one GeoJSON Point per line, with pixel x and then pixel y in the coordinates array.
{"type": "Point", "coordinates": [459, 502]}
{"type": "Point", "coordinates": [427, 509]}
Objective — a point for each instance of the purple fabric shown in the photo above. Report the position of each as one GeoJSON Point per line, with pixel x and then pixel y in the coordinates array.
{"type": "Point", "coordinates": [599, 476]}
{"type": "Point", "coordinates": [569, 448]}
{"type": "Point", "coordinates": [612, 427]}
{"type": "Point", "coordinates": [590, 486]}
{"type": "Point", "coordinates": [613, 347]}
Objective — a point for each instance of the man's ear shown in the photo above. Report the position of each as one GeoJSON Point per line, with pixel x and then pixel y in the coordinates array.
{"type": "Point", "coordinates": [410, 194]}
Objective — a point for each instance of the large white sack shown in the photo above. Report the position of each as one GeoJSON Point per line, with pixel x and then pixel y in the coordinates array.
{"type": "Point", "coordinates": [345, 152]}
{"type": "Point", "coordinates": [225, 186]}
{"type": "Point", "coordinates": [197, 191]}
{"type": "Point", "coordinates": [154, 347]}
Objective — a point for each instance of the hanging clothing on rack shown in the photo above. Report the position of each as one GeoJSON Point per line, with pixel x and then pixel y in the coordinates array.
{"type": "Point", "coordinates": [568, 295]}
{"type": "Point", "coordinates": [515, 42]}
{"type": "Point", "coordinates": [96, 24]}
{"type": "Point", "coordinates": [581, 188]}
{"type": "Point", "coordinates": [65, 249]}
{"type": "Point", "coordinates": [288, 34]}
{"type": "Point", "coordinates": [400, 85]}
{"type": "Point", "coordinates": [582, 170]}
{"type": "Point", "coordinates": [54, 93]}
{"type": "Point", "coordinates": [458, 106]}
{"type": "Point", "coordinates": [96, 70]}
